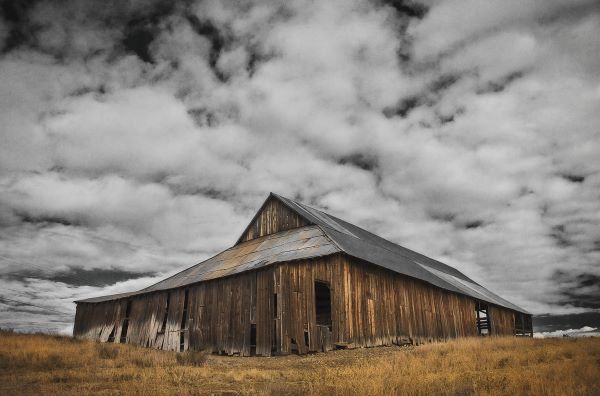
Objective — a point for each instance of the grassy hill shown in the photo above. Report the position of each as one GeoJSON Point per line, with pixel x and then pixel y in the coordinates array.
{"type": "Point", "coordinates": [46, 364]}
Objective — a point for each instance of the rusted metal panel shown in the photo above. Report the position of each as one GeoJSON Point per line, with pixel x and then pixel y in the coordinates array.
{"type": "Point", "coordinates": [300, 243]}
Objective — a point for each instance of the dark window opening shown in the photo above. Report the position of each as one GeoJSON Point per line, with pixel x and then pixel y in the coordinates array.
{"type": "Point", "coordinates": [523, 325]}
{"type": "Point", "coordinates": [123, 338]}
{"type": "Point", "coordinates": [253, 339]}
{"type": "Point", "coordinates": [275, 306]}
{"type": "Point", "coordinates": [305, 337]}
{"type": "Point", "coordinates": [128, 309]}
{"type": "Point", "coordinates": [484, 326]}
{"type": "Point", "coordinates": [274, 335]}
{"type": "Point", "coordinates": [184, 321]}
{"type": "Point", "coordinates": [111, 336]}
{"type": "Point", "coordinates": [528, 325]}
{"type": "Point", "coordinates": [163, 326]}
{"type": "Point", "coordinates": [323, 304]}
{"type": "Point", "coordinates": [519, 324]}
{"type": "Point", "coordinates": [124, 331]}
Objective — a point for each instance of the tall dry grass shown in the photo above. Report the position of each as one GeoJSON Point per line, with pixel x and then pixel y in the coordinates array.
{"type": "Point", "coordinates": [43, 364]}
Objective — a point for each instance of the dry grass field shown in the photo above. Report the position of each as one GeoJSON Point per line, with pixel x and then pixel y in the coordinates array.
{"type": "Point", "coordinates": [45, 364]}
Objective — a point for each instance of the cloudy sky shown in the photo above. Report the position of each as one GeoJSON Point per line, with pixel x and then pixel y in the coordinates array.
{"type": "Point", "coordinates": [138, 137]}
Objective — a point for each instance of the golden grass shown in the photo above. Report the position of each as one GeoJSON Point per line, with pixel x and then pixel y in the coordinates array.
{"type": "Point", "coordinates": [43, 364]}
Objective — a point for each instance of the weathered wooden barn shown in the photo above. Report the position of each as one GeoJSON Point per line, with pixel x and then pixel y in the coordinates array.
{"type": "Point", "coordinates": [299, 280]}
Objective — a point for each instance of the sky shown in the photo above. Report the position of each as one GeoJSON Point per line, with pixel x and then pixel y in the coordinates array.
{"type": "Point", "coordinates": [138, 138]}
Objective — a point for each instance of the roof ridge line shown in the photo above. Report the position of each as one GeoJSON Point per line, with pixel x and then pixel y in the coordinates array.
{"type": "Point", "coordinates": [403, 254]}
{"type": "Point", "coordinates": [336, 219]}
{"type": "Point", "coordinates": [330, 239]}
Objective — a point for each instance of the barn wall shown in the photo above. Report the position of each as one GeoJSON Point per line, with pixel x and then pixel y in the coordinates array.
{"type": "Point", "coordinates": [370, 307]}
{"type": "Point", "coordinates": [273, 217]}
{"type": "Point", "coordinates": [98, 321]}
{"type": "Point", "coordinates": [219, 316]}
{"type": "Point", "coordinates": [503, 321]}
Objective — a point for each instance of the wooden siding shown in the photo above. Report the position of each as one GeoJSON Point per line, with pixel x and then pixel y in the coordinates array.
{"type": "Point", "coordinates": [97, 321]}
{"type": "Point", "coordinates": [370, 306]}
{"type": "Point", "coordinates": [273, 217]}
{"type": "Point", "coordinates": [219, 316]}
{"type": "Point", "coordinates": [503, 321]}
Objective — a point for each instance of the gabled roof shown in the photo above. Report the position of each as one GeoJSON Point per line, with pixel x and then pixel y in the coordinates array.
{"type": "Point", "coordinates": [324, 235]}
{"type": "Point", "coordinates": [367, 246]}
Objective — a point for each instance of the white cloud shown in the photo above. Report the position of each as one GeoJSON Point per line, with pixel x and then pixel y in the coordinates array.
{"type": "Point", "coordinates": [585, 331]}
{"type": "Point", "coordinates": [150, 209]}
{"type": "Point", "coordinates": [112, 161]}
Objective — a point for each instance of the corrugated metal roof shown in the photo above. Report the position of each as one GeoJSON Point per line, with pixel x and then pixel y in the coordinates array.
{"type": "Point", "coordinates": [295, 244]}
{"type": "Point", "coordinates": [473, 289]}
{"type": "Point", "coordinates": [327, 235]}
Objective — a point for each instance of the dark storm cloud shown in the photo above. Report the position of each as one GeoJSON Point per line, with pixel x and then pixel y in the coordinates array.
{"type": "Point", "coordinates": [215, 37]}
{"type": "Point", "coordinates": [138, 37]}
{"type": "Point", "coordinates": [47, 220]}
{"type": "Point", "coordinates": [74, 276]}
{"type": "Point", "coordinates": [574, 178]}
{"type": "Point", "coordinates": [362, 161]}
{"type": "Point", "coordinates": [569, 321]}
{"type": "Point", "coordinates": [403, 107]}
{"type": "Point", "coordinates": [410, 8]}
{"type": "Point", "coordinates": [500, 84]}
{"type": "Point", "coordinates": [560, 236]}
{"type": "Point", "coordinates": [443, 216]}
{"type": "Point", "coordinates": [473, 224]}
{"type": "Point", "coordinates": [443, 82]}
{"type": "Point", "coordinates": [139, 137]}
{"type": "Point", "coordinates": [203, 117]}
{"type": "Point", "coordinates": [16, 15]}
{"type": "Point", "coordinates": [580, 290]}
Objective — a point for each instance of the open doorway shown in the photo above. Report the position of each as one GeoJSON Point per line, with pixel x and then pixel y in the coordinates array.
{"type": "Point", "coordinates": [484, 325]}
{"type": "Point", "coordinates": [323, 303]}
{"type": "Point", "coordinates": [184, 321]}
{"type": "Point", "coordinates": [163, 326]}
{"type": "Point", "coordinates": [253, 339]}
{"type": "Point", "coordinates": [125, 326]}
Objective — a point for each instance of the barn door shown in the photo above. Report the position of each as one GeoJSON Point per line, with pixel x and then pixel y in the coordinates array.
{"type": "Point", "coordinates": [323, 315]}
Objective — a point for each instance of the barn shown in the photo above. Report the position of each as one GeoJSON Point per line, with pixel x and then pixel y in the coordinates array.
{"type": "Point", "coordinates": [299, 280]}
